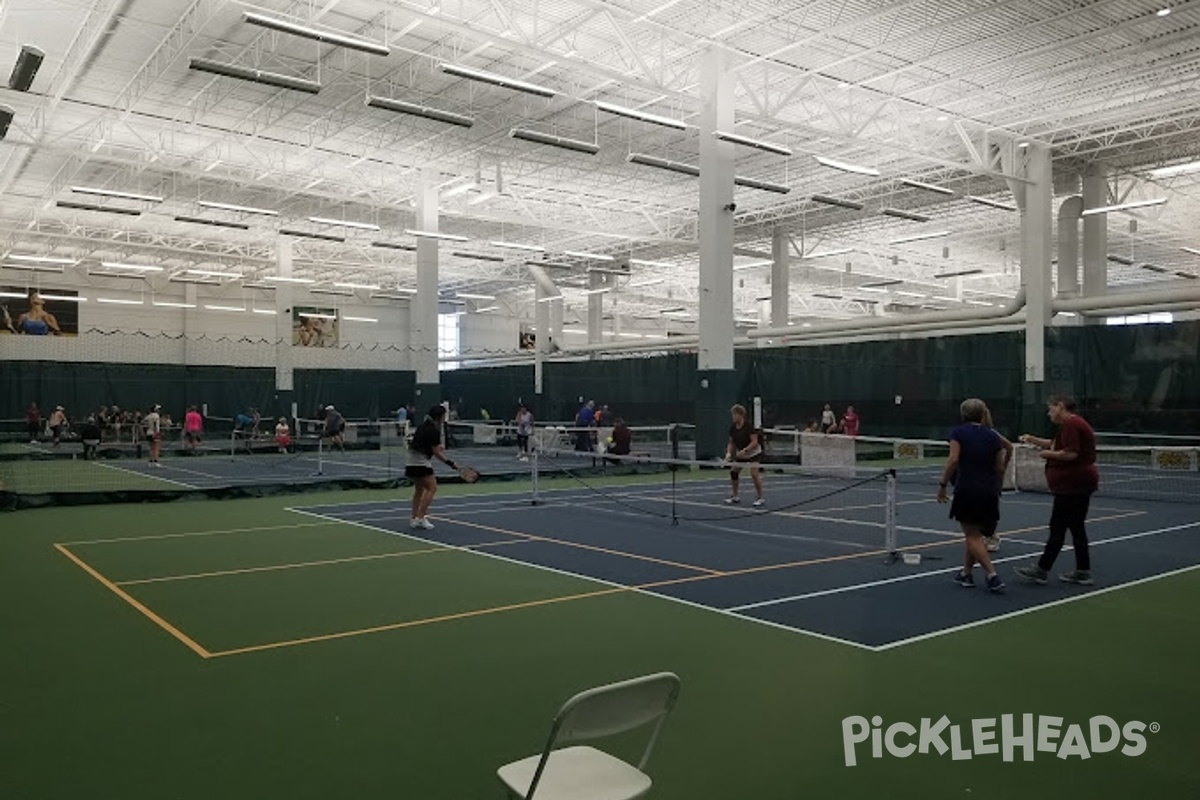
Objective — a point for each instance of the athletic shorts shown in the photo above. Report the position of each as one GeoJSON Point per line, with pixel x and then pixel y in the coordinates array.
{"type": "Point", "coordinates": [417, 472]}
{"type": "Point", "coordinates": [972, 508]}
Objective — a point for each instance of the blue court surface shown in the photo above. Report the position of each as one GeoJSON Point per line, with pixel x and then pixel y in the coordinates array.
{"type": "Point", "coordinates": [818, 565]}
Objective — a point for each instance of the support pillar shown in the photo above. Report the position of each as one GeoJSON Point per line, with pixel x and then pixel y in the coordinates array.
{"type": "Point", "coordinates": [779, 277]}
{"type": "Point", "coordinates": [285, 363]}
{"type": "Point", "coordinates": [595, 309]}
{"type": "Point", "coordinates": [1095, 236]}
{"type": "Point", "coordinates": [423, 310]}
{"type": "Point", "coordinates": [715, 376]}
{"type": "Point", "coordinates": [541, 317]}
{"type": "Point", "coordinates": [1035, 201]}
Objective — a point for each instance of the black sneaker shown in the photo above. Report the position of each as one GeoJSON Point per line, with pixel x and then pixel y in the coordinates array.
{"type": "Point", "coordinates": [995, 584]}
{"type": "Point", "coordinates": [1078, 577]}
{"type": "Point", "coordinates": [1032, 574]}
{"type": "Point", "coordinates": [965, 580]}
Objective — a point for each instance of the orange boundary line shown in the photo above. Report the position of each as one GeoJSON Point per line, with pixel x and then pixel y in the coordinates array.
{"type": "Point", "coordinates": [155, 618]}
{"type": "Point", "coordinates": [301, 564]}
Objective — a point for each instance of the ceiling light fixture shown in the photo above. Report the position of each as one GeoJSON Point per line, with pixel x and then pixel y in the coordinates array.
{"type": "Point", "coordinates": [173, 304]}
{"type": "Point", "coordinates": [29, 60]}
{"type": "Point", "coordinates": [254, 75]}
{"type": "Point", "coordinates": [641, 116]}
{"type": "Point", "coordinates": [986, 201]}
{"type": "Point", "coordinates": [496, 80]}
{"type": "Point", "coordinates": [639, 262]}
{"type": "Point", "coordinates": [766, 186]}
{"type": "Point", "coordinates": [1191, 250]}
{"type": "Point", "coordinates": [663, 163]}
{"type": "Point", "coordinates": [1157, 201]}
{"type": "Point", "coordinates": [368, 286]}
{"type": "Point", "coordinates": [1177, 169]}
{"type": "Point", "coordinates": [550, 265]}
{"type": "Point", "coordinates": [583, 254]}
{"type": "Point", "coordinates": [919, 237]}
{"type": "Point", "coordinates": [53, 259]}
{"type": "Point", "coordinates": [837, 201]}
{"type": "Point", "coordinates": [128, 212]}
{"type": "Point", "coordinates": [132, 267]}
{"type": "Point", "coordinates": [958, 274]}
{"type": "Point", "coordinates": [757, 144]}
{"type": "Point", "coordinates": [478, 256]}
{"type": "Point", "coordinates": [287, 279]}
{"type": "Point", "coordinates": [6, 117]}
{"type": "Point", "coordinates": [576, 145]}
{"type": "Point", "coordinates": [325, 37]}
{"type": "Point", "coordinates": [215, 223]}
{"type": "Point", "coordinates": [116, 301]}
{"type": "Point", "coordinates": [550, 299]}
{"type": "Point", "coordinates": [902, 214]}
{"type": "Point", "coordinates": [472, 296]}
{"type": "Point", "coordinates": [213, 273]}
{"type": "Point", "coordinates": [232, 207]}
{"type": "Point", "coordinates": [36, 267]}
{"type": "Point", "coordinates": [149, 198]}
{"type": "Point", "coordinates": [881, 284]}
{"type": "Point", "coordinates": [315, 315]}
{"type": "Point", "coordinates": [833, 163]}
{"type": "Point", "coordinates": [414, 110]}
{"type": "Point", "coordinates": [238, 309]}
{"type": "Point", "coordinates": [532, 248]}
{"type": "Point", "coordinates": [361, 319]}
{"type": "Point", "coordinates": [395, 246]}
{"type": "Point", "coordinates": [362, 226]}
{"type": "Point", "coordinates": [446, 237]}
{"type": "Point", "coordinates": [928, 187]}
{"type": "Point", "coordinates": [268, 311]}
{"type": "Point", "coordinates": [325, 237]}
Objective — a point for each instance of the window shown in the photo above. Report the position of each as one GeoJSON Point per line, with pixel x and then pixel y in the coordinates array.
{"type": "Point", "coordinates": [448, 339]}
{"type": "Point", "coordinates": [1158, 317]}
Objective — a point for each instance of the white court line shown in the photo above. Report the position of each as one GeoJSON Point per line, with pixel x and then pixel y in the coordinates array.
{"type": "Point", "coordinates": [144, 475]}
{"type": "Point", "coordinates": [590, 579]}
{"type": "Point", "coordinates": [208, 475]}
{"type": "Point", "coordinates": [933, 573]}
{"type": "Point", "coordinates": [187, 534]}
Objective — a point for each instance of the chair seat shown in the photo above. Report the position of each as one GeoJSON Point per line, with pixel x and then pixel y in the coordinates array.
{"type": "Point", "coordinates": [577, 773]}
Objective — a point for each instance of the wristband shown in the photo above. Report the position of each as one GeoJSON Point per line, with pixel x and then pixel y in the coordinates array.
{"type": "Point", "coordinates": [451, 465]}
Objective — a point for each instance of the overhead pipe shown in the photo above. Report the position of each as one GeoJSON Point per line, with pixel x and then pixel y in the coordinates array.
{"type": "Point", "coordinates": [1154, 297]}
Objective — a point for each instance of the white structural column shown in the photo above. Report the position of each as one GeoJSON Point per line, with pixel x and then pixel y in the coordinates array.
{"type": "Point", "coordinates": [285, 295]}
{"type": "Point", "coordinates": [556, 322]}
{"type": "Point", "coordinates": [1036, 248]}
{"type": "Point", "coordinates": [1068, 246]}
{"type": "Point", "coordinates": [779, 276]}
{"type": "Point", "coordinates": [716, 215]}
{"type": "Point", "coordinates": [541, 321]}
{"type": "Point", "coordinates": [423, 310]}
{"type": "Point", "coordinates": [1095, 232]}
{"type": "Point", "coordinates": [189, 297]}
{"type": "Point", "coordinates": [595, 309]}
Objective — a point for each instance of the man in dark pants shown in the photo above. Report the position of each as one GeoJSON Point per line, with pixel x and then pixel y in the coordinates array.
{"type": "Point", "coordinates": [1072, 477]}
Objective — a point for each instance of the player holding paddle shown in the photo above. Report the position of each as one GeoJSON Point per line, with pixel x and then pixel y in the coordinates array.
{"type": "Point", "coordinates": [745, 445]}
{"type": "Point", "coordinates": [425, 446]}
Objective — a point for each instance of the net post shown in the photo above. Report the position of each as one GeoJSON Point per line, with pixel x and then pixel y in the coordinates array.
{"type": "Point", "coordinates": [534, 476]}
{"type": "Point", "coordinates": [320, 455]}
{"type": "Point", "coordinates": [889, 519]}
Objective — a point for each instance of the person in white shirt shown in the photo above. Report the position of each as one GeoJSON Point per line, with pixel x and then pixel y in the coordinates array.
{"type": "Point", "coordinates": [153, 425]}
{"type": "Point", "coordinates": [524, 420]}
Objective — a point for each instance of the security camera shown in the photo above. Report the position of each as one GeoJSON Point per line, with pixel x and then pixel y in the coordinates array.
{"type": "Point", "coordinates": [731, 207]}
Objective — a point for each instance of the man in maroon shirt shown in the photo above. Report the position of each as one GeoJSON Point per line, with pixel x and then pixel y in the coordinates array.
{"type": "Point", "coordinates": [1072, 477]}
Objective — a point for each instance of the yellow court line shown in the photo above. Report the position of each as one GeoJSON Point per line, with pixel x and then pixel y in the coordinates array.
{"type": "Point", "coordinates": [155, 618]}
{"type": "Point", "coordinates": [202, 533]}
{"type": "Point", "coordinates": [302, 564]}
{"type": "Point", "coordinates": [536, 538]}
{"type": "Point", "coordinates": [417, 622]}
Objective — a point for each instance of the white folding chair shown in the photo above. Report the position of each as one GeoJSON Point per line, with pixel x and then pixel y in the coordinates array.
{"type": "Point", "coordinates": [585, 773]}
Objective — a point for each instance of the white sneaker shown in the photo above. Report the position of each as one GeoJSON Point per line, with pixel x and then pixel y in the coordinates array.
{"type": "Point", "coordinates": [424, 522]}
{"type": "Point", "coordinates": [992, 543]}
{"type": "Point", "coordinates": [758, 502]}
{"type": "Point", "coordinates": [414, 523]}
{"type": "Point", "coordinates": [732, 500]}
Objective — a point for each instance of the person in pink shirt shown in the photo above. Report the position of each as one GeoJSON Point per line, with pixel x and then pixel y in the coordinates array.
{"type": "Point", "coordinates": [850, 422]}
{"type": "Point", "coordinates": [192, 426]}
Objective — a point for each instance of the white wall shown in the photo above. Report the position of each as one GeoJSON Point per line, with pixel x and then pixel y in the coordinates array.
{"type": "Point", "coordinates": [488, 333]}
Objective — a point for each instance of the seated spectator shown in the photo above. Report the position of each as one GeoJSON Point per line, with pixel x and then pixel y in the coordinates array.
{"type": "Point", "coordinates": [621, 441]}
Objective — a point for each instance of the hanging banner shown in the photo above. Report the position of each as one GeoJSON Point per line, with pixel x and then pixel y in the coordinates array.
{"type": "Point", "coordinates": [29, 312]}
{"type": "Point", "coordinates": [314, 327]}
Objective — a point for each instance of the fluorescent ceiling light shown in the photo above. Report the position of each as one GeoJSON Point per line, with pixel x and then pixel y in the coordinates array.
{"type": "Point", "coordinates": [944, 299]}
{"type": "Point", "coordinates": [985, 201]}
{"type": "Point", "coordinates": [254, 75]}
{"type": "Point", "coordinates": [929, 187]}
{"type": "Point", "coordinates": [757, 144]}
{"type": "Point", "coordinates": [766, 186]}
{"type": "Point", "coordinates": [601, 290]}
{"type": "Point", "coordinates": [902, 214]}
{"type": "Point", "coordinates": [1188, 275]}
{"type": "Point", "coordinates": [325, 37]}
{"type": "Point", "coordinates": [232, 207]}
{"type": "Point", "coordinates": [1191, 250]}
{"type": "Point", "coordinates": [212, 273]}
{"type": "Point", "coordinates": [919, 237]}
{"type": "Point", "coordinates": [593, 256]}
{"type": "Point", "coordinates": [833, 163]}
{"type": "Point", "coordinates": [1158, 201]}
{"type": "Point", "coordinates": [448, 237]}
{"type": "Point", "coordinates": [1123, 260]}
{"type": "Point", "coordinates": [1155, 268]}
{"type": "Point", "coordinates": [869, 288]}
{"type": "Point", "coordinates": [36, 267]}
{"type": "Point", "coordinates": [910, 294]}
{"type": "Point", "coordinates": [360, 319]}
{"type": "Point", "coordinates": [662, 163]}
{"type": "Point", "coordinates": [840, 252]}
{"type": "Point", "coordinates": [333, 292]}
{"type": "Point", "coordinates": [149, 198]}
{"type": "Point", "coordinates": [414, 110]}
{"type": "Point", "coordinates": [1162, 12]}
{"type": "Point", "coordinates": [960, 273]}
{"type": "Point", "coordinates": [478, 256]}
{"type": "Point", "coordinates": [216, 223]}
{"type": "Point", "coordinates": [53, 259]}
{"type": "Point", "coordinates": [128, 212]}
{"type": "Point", "coordinates": [116, 301]}
{"type": "Point", "coordinates": [238, 309]}
{"type": "Point", "coordinates": [837, 201]}
{"type": "Point", "coordinates": [63, 297]}
{"type": "Point", "coordinates": [462, 188]}
{"type": "Point", "coordinates": [641, 116]}
{"type": "Point", "coordinates": [325, 237]}
{"type": "Point", "coordinates": [367, 286]}
{"type": "Point", "coordinates": [577, 145]}
{"type": "Point", "coordinates": [315, 315]}
{"type": "Point", "coordinates": [362, 226]}
{"type": "Point", "coordinates": [532, 248]}
{"type": "Point", "coordinates": [402, 293]}
{"type": "Point", "coordinates": [472, 296]}
{"type": "Point", "coordinates": [286, 279]}
{"type": "Point", "coordinates": [173, 304]}
{"type": "Point", "coordinates": [268, 311]}
{"type": "Point", "coordinates": [133, 267]}
{"type": "Point", "coordinates": [395, 246]}
{"type": "Point", "coordinates": [762, 262]}
{"type": "Point", "coordinates": [14, 295]}
{"type": "Point", "coordinates": [673, 310]}
{"type": "Point", "coordinates": [881, 284]}
{"type": "Point", "coordinates": [550, 299]}
{"type": "Point", "coordinates": [827, 296]}
{"type": "Point", "coordinates": [550, 265]}
{"type": "Point", "coordinates": [978, 302]}
{"type": "Point", "coordinates": [496, 80]}
{"type": "Point", "coordinates": [645, 283]}
{"type": "Point", "coordinates": [1177, 169]}
{"type": "Point", "coordinates": [638, 262]}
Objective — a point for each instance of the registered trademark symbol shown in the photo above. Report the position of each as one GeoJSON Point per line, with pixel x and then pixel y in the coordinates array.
{"type": "Point", "coordinates": [1155, 727]}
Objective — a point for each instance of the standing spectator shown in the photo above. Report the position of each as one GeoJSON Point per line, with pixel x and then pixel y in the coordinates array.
{"type": "Point", "coordinates": [850, 422]}
{"type": "Point", "coordinates": [33, 422]}
{"type": "Point", "coordinates": [153, 423]}
{"type": "Point", "coordinates": [606, 416]}
{"type": "Point", "coordinates": [828, 419]}
{"type": "Point", "coordinates": [745, 446]}
{"type": "Point", "coordinates": [89, 434]}
{"type": "Point", "coordinates": [584, 421]}
{"type": "Point", "coordinates": [976, 463]}
{"type": "Point", "coordinates": [1072, 477]}
{"type": "Point", "coordinates": [524, 422]}
{"type": "Point", "coordinates": [402, 421]}
{"type": "Point", "coordinates": [193, 425]}
{"type": "Point", "coordinates": [283, 435]}
{"type": "Point", "coordinates": [58, 424]}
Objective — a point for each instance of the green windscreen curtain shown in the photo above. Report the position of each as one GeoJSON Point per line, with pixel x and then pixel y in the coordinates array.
{"type": "Point", "coordinates": [357, 394]}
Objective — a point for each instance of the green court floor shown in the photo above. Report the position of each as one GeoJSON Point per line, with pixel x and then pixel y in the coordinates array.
{"type": "Point", "coordinates": [239, 649]}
